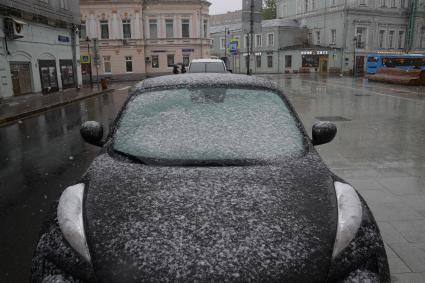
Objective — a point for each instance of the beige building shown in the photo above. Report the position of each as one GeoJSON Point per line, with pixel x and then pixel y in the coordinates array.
{"type": "Point", "coordinates": [138, 38]}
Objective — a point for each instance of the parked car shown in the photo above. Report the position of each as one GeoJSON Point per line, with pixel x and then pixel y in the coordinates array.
{"type": "Point", "coordinates": [207, 66]}
{"type": "Point", "coordinates": [210, 178]}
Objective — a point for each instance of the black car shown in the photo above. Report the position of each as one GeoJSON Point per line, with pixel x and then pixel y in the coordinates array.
{"type": "Point", "coordinates": [210, 178]}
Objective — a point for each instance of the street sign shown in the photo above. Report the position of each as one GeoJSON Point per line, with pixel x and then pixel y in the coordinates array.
{"type": "Point", "coordinates": [234, 46]}
{"type": "Point", "coordinates": [257, 7]}
{"type": "Point", "coordinates": [96, 53]}
{"type": "Point", "coordinates": [85, 59]}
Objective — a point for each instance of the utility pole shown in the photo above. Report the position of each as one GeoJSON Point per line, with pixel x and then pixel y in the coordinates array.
{"type": "Point", "coordinates": [90, 66]}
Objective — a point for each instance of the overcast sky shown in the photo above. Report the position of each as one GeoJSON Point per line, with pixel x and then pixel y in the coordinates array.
{"type": "Point", "coordinates": [223, 6]}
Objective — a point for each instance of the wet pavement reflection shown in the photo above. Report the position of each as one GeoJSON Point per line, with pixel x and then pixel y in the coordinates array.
{"type": "Point", "coordinates": [380, 150]}
{"type": "Point", "coordinates": [40, 156]}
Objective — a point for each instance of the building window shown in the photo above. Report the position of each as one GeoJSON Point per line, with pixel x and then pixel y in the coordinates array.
{"type": "Point", "coordinates": [155, 62]}
{"type": "Point", "coordinates": [333, 2]}
{"type": "Point", "coordinates": [313, 4]}
{"type": "Point", "coordinates": [381, 38]}
{"type": "Point", "coordinates": [64, 4]}
{"type": "Point", "coordinates": [305, 5]}
{"type": "Point", "coordinates": [393, 5]}
{"type": "Point", "coordinates": [104, 29]}
{"type": "Point", "coordinates": [270, 39]}
{"type": "Point", "coordinates": [83, 30]}
{"type": "Point", "coordinates": [205, 28]}
{"type": "Point", "coordinates": [186, 60]}
{"type": "Point", "coordinates": [126, 27]}
{"type": "Point", "coordinates": [258, 40]}
{"type": "Point", "coordinates": [258, 60]}
{"type": "Point", "coordinates": [270, 61]}
{"type": "Point", "coordinates": [129, 64]}
{"type": "Point", "coordinates": [246, 61]}
{"type": "Point", "coordinates": [107, 64]}
{"type": "Point", "coordinates": [361, 38]}
{"type": "Point", "coordinates": [402, 3]}
{"type": "Point", "coordinates": [362, 2]}
{"type": "Point", "coordinates": [391, 39]}
{"type": "Point", "coordinates": [317, 37]}
{"type": "Point", "coordinates": [222, 43]}
{"type": "Point", "coordinates": [288, 61]}
{"type": "Point", "coordinates": [170, 60]}
{"type": "Point", "coordinates": [153, 29]}
{"type": "Point", "coordinates": [400, 40]}
{"type": "Point", "coordinates": [246, 38]}
{"type": "Point", "coordinates": [310, 38]}
{"type": "Point", "coordinates": [185, 28]}
{"type": "Point", "coordinates": [169, 28]}
{"type": "Point", "coordinates": [382, 3]}
{"type": "Point", "coordinates": [333, 36]}
{"type": "Point", "coordinates": [310, 61]}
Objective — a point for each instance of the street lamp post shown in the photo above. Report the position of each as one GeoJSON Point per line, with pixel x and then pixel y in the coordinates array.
{"type": "Point", "coordinates": [355, 59]}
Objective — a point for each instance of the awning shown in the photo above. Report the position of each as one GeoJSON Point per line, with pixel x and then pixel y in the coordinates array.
{"type": "Point", "coordinates": [19, 22]}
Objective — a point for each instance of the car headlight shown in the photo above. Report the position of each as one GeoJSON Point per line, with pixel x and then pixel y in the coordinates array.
{"type": "Point", "coordinates": [70, 218]}
{"type": "Point", "coordinates": [349, 216]}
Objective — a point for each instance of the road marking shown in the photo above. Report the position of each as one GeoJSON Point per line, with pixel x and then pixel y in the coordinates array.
{"type": "Point", "coordinates": [124, 88]}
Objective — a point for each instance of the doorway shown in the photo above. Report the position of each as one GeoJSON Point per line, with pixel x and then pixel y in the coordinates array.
{"type": "Point", "coordinates": [21, 78]}
{"type": "Point", "coordinates": [323, 64]}
{"type": "Point", "coordinates": [360, 64]}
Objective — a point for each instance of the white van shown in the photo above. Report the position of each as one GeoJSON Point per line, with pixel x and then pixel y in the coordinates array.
{"type": "Point", "coordinates": [207, 66]}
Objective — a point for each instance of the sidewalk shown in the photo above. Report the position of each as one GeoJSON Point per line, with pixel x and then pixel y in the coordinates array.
{"type": "Point", "coordinates": [18, 107]}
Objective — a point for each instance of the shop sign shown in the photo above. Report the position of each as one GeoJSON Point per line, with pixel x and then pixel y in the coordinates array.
{"type": "Point", "coordinates": [188, 50]}
{"type": "Point", "coordinates": [159, 51]}
{"type": "Point", "coordinates": [64, 39]}
{"type": "Point", "coordinates": [315, 52]}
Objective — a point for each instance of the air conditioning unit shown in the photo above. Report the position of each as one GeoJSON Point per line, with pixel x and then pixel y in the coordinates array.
{"type": "Point", "coordinates": [147, 59]}
{"type": "Point", "coordinates": [13, 28]}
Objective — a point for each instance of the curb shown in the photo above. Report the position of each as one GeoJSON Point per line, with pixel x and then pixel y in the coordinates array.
{"type": "Point", "coordinates": [32, 112]}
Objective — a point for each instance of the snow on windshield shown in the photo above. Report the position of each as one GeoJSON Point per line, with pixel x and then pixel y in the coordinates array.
{"type": "Point", "coordinates": [208, 124]}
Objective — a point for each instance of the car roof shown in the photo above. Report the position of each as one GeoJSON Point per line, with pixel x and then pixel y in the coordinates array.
{"type": "Point", "coordinates": [205, 80]}
{"type": "Point", "coordinates": [207, 61]}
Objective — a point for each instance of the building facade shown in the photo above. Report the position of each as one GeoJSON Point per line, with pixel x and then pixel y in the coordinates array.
{"type": "Point", "coordinates": [268, 55]}
{"type": "Point", "coordinates": [356, 28]}
{"type": "Point", "coordinates": [38, 46]}
{"type": "Point", "coordinates": [129, 39]}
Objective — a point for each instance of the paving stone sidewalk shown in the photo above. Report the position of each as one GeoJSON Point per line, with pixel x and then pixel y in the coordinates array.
{"type": "Point", "coordinates": [15, 108]}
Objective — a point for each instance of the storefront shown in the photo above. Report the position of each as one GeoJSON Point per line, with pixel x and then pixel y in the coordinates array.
{"type": "Point", "coordinates": [48, 76]}
{"type": "Point", "coordinates": [315, 59]}
{"type": "Point", "coordinates": [67, 73]}
{"type": "Point", "coordinates": [310, 60]}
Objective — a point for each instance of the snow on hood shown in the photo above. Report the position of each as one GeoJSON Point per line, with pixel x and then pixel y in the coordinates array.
{"type": "Point", "coordinates": [268, 223]}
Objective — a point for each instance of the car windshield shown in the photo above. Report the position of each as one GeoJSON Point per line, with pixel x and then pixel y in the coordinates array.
{"type": "Point", "coordinates": [214, 67]}
{"type": "Point", "coordinates": [208, 125]}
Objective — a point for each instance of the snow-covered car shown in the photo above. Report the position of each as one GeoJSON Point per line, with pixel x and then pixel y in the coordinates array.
{"type": "Point", "coordinates": [207, 66]}
{"type": "Point", "coordinates": [210, 178]}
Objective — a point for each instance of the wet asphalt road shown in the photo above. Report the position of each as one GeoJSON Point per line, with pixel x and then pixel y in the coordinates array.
{"type": "Point", "coordinates": [379, 149]}
{"type": "Point", "coordinates": [40, 156]}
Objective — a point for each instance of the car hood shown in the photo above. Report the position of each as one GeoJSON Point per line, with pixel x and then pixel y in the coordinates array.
{"type": "Point", "coordinates": [268, 223]}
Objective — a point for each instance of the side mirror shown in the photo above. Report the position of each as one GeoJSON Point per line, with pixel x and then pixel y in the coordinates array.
{"type": "Point", "coordinates": [92, 132]}
{"type": "Point", "coordinates": [323, 132]}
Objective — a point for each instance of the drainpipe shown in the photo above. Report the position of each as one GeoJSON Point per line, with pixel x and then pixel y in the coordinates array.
{"type": "Point", "coordinates": [200, 30]}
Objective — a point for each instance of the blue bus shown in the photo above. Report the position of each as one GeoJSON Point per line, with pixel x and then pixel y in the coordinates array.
{"type": "Point", "coordinates": [375, 61]}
